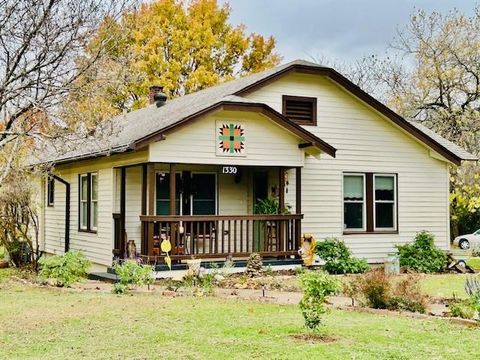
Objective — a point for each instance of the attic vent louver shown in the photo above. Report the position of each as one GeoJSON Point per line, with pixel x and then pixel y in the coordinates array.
{"type": "Point", "coordinates": [157, 96]}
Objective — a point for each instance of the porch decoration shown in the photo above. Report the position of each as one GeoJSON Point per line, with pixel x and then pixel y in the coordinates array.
{"type": "Point", "coordinates": [307, 249]}
{"type": "Point", "coordinates": [166, 247]}
{"type": "Point", "coordinates": [231, 139]}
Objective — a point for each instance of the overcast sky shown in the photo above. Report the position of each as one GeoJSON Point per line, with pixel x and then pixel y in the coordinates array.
{"type": "Point", "coordinates": [339, 29]}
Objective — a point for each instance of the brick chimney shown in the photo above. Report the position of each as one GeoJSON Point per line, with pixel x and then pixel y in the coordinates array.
{"type": "Point", "coordinates": [155, 89]}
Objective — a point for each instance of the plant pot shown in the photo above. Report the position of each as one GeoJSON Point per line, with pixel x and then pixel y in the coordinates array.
{"type": "Point", "coordinates": [194, 265]}
{"type": "Point", "coordinates": [3, 264]}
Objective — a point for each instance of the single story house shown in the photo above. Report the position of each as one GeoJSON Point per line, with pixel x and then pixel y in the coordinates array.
{"type": "Point", "coordinates": [194, 169]}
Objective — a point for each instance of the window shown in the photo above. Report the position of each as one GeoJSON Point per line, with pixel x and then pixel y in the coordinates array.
{"type": "Point", "coordinates": [354, 202]}
{"type": "Point", "coordinates": [51, 191]}
{"type": "Point", "coordinates": [384, 202]}
{"type": "Point", "coordinates": [369, 202]}
{"type": "Point", "coordinates": [163, 193]}
{"type": "Point", "coordinates": [301, 110]}
{"type": "Point", "coordinates": [88, 202]}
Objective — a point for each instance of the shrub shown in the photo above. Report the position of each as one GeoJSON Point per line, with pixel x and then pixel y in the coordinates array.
{"type": "Point", "coordinates": [351, 289]}
{"type": "Point", "coordinates": [338, 257]}
{"type": "Point", "coordinates": [316, 287]}
{"type": "Point", "coordinates": [130, 275]}
{"type": "Point", "coordinates": [407, 295]}
{"type": "Point", "coordinates": [463, 309]}
{"type": "Point", "coordinates": [375, 287]}
{"type": "Point", "coordinates": [422, 255]}
{"type": "Point", "coordinates": [381, 290]}
{"type": "Point", "coordinates": [65, 269]}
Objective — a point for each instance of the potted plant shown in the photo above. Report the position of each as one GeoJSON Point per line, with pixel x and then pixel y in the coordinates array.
{"type": "Point", "coordinates": [268, 206]}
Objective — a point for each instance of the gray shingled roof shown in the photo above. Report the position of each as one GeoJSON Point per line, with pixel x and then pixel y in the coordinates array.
{"type": "Point", "coordinates": [454, 148]}
{"type": "Point", "coordinates": [128, 128]}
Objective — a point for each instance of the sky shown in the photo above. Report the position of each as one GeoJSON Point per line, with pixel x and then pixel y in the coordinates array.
{"type": "Point", "coordinates": [340, 30]}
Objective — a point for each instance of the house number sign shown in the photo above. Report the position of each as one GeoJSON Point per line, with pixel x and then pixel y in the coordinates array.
{"type": "Point", "coordinates": [230, 170]}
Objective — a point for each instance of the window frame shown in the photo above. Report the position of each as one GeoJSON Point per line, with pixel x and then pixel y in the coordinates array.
{"type": "Point", "coordinates": [312, 100]}
{"type": "Point", "coordinates": [364, 203]}
{"type": "Point", "coordinates": [394, 202]}
{"type": "Point", "coordinates": [94, 219]}
{"type": "Point", "coordinates": [89, 208]}
{"type": "Point", "coordinates": [50, 192]}
{"type": "Point", "coordinates": [369, 209]}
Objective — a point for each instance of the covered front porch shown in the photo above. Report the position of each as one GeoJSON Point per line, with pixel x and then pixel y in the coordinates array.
{"type": "Point", "coordinates": [207, 211]}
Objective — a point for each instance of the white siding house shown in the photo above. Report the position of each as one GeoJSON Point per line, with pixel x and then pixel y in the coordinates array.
{"type": "Point", "coordinates": [367, 175]}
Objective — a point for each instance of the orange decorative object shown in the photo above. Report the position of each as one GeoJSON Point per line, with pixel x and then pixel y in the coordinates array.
{"type": "Point", "coordinates": [307, 249]}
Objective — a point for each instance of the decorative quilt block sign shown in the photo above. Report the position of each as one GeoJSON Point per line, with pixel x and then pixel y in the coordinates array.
{"type": "Point", "coordinates": [230, 138]}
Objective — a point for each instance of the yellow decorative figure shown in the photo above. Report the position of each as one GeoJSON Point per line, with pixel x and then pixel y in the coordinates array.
{"type": "Point", "coordinates": [307, 249]}
{"type": "Point", "coordinates": [166, 247]}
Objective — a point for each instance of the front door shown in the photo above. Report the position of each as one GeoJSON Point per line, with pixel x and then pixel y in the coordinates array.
{"type": "Point", "coordinates": [260, 186]}
{"type": "Point", "coordinates": [203, 197]}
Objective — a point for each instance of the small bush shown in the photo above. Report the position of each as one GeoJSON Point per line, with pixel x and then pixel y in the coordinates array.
{"type": "Point", "coordinates": [381, 290]}
{"type": "Point", "coordinates": [338, 257]}
{"type": "Point", "coordinates": [407, 295]}
{"type": "Point", "coordinates": [130, 275]}
{"type": "Point", "coordinates": [422, 255]}
{"type": "Point", "coordinates": [316, 287]}
{"type": "Point", "coordinates": [403, 303]}
{"type": "Point", "coordinates": [463, 309]}
{"type": "Point", "coordinates": [65, 269]}
{"type": "Point", "coordinates": [351, 288]}
{"type": "Point", "coordinates": [375, 287]}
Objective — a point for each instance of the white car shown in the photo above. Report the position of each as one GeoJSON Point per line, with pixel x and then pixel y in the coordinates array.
{"type": "Point", "coordinates": [468, 241]}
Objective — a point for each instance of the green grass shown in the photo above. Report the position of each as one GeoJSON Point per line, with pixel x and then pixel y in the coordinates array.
{"type": "Point", "coordinates": [444, 285]}
{"type": "Point", "coordinates": [38, 323]}
{"type": "Point", "coordinates": [474, 262]}
{"type": "Point", "coordinates": [6, 273]}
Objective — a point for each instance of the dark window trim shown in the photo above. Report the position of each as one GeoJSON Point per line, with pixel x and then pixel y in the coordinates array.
{"type": "Point", "coordinates": [312, 100]}
{"type": "Point", "coordinates": [89, 202]}
{"type": "Point", "coordinates": [370, 206]}
{"type": "Point", "coordinates": [50, 192]}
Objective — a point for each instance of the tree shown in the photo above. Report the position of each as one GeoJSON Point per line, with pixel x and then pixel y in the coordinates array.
{"type": "Point", "coordinates": [40, 44]}
{"type": "Point", "coordinates": [442, 91]}
{"type": "Point", "coordinates": [19, 219]}
{"type": "Point", "coordinates": [183, 46]}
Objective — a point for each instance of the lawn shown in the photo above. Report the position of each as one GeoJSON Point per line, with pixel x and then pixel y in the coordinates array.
{"type": "Point", "coordinates": [444, 285]}
{"type": "Point", "coordinates": [54, 324]}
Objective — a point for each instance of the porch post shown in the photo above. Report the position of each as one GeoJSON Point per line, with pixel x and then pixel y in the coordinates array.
{"type": "Point", "coordinates": [298, 190]}
{"type": "Point", "coordinates": [281, 192]}
{"type": "Point", "coordinates": [172, 189]}
{"type": "Point", "coordinates": [298, 206]}
{"type": "Point", "coordinates": [144, 236]}
{"type": "Point", "coordinates": [123, 172]}
{"type": "Point", "coordinates": [151, 188]}
{"type": "Point", "coordinates": [148, 228]}
{"type": "Point", "coordinates": [281, 205]}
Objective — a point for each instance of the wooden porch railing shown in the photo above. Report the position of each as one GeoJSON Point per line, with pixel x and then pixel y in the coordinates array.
{"type": "Point", "coordinates": [222, 235]}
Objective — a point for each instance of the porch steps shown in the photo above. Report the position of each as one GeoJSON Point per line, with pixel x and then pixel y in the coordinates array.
{"type": "Point", "coordinates": [103, 276]}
